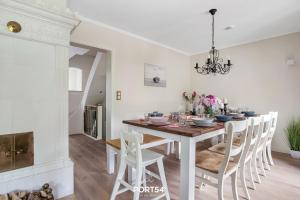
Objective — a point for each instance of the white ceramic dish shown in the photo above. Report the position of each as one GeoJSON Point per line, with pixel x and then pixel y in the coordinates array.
{"type": "Point", "coordinates": [159, 123]}
{"type": "Point", "coordinates": [202, 121]}
{"type": "Point", "coordinates": [158, 119]}
{"type": "Point", "coordinates": [237, 115]}
{"type": "Point", "coordinates": [206, 125]}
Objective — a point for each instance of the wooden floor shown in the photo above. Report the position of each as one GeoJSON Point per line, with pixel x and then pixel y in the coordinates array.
{"type": "Point", "coordinates": [93, 183]}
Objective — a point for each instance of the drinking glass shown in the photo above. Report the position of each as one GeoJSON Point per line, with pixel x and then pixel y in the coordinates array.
{"type": "Point", "coordinates": [182, 119]}
{"type": "Point", "coordinates": [146, 117]}
{"type": "Point", "coordinates": [201, 115]}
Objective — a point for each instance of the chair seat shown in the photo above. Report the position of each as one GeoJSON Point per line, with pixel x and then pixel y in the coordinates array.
{"type": "Point", "coordinates": [237, 141]}
{"type": "Point", "coordinates": [116, 143]}
{"type": "Point", "coordinates": [148, 157]}
{"type": "Point", "coordinates": [212, 161]}
{"type": "Point", "coordinates": [220, 148]}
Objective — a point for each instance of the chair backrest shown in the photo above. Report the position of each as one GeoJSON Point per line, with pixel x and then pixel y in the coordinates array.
{"type": "Point", "coordinates": [267, 120]}
{"type": "Point", "coordinates": [263, 132]}
{"type": "Point", "coordinates": [254, 124]}
{"type": "Point", "coordinates": [274, 117]}
{"type": "Point", "coordinates": [232, 128]}
{"type": "Point", "coordinates": [131, 148]}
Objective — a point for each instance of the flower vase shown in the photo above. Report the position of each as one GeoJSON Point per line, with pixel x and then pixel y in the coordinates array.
{"type": "Point", "coordinates": [189, 107]}
{"type": "Point", "coordinates": [209, 111]}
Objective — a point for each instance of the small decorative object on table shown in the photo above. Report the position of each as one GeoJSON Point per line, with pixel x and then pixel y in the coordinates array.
{"type": "Point", "coordinates": [225, 103]}
{"type": "Point", "coordinates": [190, 102]}
{"type": "Point", "coordinates": [293, 133]}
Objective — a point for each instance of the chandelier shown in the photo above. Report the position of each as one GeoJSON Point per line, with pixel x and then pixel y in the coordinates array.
{"type": "Point", "coordinates": [213, 63]}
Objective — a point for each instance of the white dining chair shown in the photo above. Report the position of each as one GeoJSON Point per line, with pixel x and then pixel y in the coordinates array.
{"type": "Point", "coordinates": [212, 165]}
{"type": "Point", "coordinates": [246, 158]}
{"type": "Point", "coordinates": [168, 147]}
{"type": "Point", "coordinates": [257, 157]}
{"type": "Point", "coordinates": [133, 156]}
{"type": "Point", "coordinates": [274, 118]}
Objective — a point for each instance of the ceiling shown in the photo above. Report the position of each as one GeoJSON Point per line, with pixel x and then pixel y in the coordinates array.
{"type": "Point", "coordinates": [185, 25]}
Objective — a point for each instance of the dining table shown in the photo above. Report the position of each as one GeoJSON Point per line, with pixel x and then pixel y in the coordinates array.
{"type": "Point", "coordinates": [187, 135]}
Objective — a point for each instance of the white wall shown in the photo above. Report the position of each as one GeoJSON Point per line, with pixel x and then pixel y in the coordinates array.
{"type": "Point", "coordinates": [98, 84]}
{"type": "Point", "coordinates": [259, 79]}
{"type": "Point", "coordinates": [84, 63]}
{"type": "Point", "coordinates": [128, 57]}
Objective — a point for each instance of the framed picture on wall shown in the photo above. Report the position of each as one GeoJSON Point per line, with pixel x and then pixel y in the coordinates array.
{"type": "Point", "coordinates": [154, 75]}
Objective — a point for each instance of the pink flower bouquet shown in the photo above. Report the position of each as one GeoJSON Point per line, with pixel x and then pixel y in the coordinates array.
{"type": "Point", "coordinates": [210, 104]}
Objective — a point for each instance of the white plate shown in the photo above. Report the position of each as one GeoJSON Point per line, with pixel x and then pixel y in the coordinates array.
{"type": "Point", "coordinates": [199, 120]}
{"type": "Point", "coordinates": [158, 119]}
{"type": "Point", "coordinates": [158, 123]}
{"type": "Point", "coordinates": [206, 125]}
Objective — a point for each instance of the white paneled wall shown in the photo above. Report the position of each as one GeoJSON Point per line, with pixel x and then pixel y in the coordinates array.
{"type": "Point", "coordinates": [34, 94]}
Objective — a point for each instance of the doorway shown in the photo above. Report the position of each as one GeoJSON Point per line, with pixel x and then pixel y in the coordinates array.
{"type": "Point", "coordinates": [89, 91]}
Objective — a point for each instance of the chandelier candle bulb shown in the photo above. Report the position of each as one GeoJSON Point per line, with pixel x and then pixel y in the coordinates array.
{"type": "Point", "coordinates": [225, 101]}
{"type": "Point", "coordinates": [208, 61]}
{"type": "Point", "coordinates": [229, 63]}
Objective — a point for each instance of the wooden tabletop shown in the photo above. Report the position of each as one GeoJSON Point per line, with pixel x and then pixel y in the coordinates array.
{"type": "Point", "coordinates": [189, 131]}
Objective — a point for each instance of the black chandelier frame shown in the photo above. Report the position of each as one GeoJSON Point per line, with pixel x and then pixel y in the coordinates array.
{"type": "Point", "coordinates": [213, 64]}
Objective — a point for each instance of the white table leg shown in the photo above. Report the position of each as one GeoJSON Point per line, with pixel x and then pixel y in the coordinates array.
{"type": "Point", "coordinates": [187, 168]}
{"type": "Point", "coordinates": [177, 149]}
{"type": "Point", "coordinates": [110, 160]}
{"type": "Point", "coordinates": [173, 147]}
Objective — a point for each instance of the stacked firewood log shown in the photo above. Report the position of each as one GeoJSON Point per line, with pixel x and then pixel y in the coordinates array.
{"type": "Point", "coordinates": [45, 193]}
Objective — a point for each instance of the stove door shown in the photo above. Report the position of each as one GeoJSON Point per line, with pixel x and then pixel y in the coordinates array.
{"type": "Point", "coordinates": [23, 150]}
{"type": "Point", "coordinates": [6, 153]}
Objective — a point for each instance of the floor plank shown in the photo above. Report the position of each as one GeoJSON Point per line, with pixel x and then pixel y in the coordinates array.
{"type": "Point", "coordinates": [92, 181]}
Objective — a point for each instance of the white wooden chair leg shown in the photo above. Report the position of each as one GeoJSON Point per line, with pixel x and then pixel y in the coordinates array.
{"type": "Point", "coordinates": [144, 177]}
{"type": "Point", "coordinates": [269, 152]}
{"type": "Point", "coordinates": [131, 175]}
{"type": "Point", "coordinates": [118, 161]}
{"type": "Point", "coordinates": [265, 160]}
{"type": "Point", "coordinates": [255, 167]}
{"type": "Point", "coordinates": [249, 168]}
{"type": "Point", "coordinates": [201, 184]}
{"type": "Point", "coordinates": [243, 181]}
{"type": "Point", "coordinates": [137, 185]}
{"type": "Point", "coordinates": [110, 160]}
{"type": "Point", "coordinates": [234, 186]}
{"type": "Point", "coordinates": [163, 178]}
{"type": "Point", "coordinates": [261, 165]}
{"type": "Point", "coordinates": [120, 176]}
{"type": "Point", "coordinates": [220, 189]}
